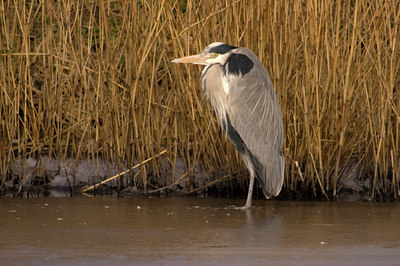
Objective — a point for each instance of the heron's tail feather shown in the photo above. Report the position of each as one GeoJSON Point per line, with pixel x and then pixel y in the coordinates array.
{"type": "Point", "coordinates": [271, 175]}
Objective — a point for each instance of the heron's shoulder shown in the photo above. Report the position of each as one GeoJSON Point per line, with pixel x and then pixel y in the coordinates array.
{"type": "Point", "coordinates": [239, 64]}
{"type": "Point", "coordinates": [243, 61]}
{"type": "Point", "coordinates": [240, 61]}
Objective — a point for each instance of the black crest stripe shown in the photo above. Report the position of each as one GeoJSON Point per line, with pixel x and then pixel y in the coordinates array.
{"type": "Point", "coordinates": [222, 49]}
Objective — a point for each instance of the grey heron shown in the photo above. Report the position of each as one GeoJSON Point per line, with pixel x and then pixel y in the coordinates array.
{"type": "Point", "coordinates": [240, 90]}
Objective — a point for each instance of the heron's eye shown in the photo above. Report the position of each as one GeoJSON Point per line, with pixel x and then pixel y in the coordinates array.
{"type": "Point", "coordinates": [214, 55]}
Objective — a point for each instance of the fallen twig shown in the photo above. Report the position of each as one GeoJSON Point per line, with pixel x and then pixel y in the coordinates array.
{"type": "Point", "coordinates": [124, 172]}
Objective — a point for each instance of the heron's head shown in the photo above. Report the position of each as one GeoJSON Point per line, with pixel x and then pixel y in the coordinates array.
{"type": "Point", "coordinates": [216, 52]}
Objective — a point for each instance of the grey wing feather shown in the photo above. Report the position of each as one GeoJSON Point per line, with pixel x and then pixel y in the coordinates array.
{"type": "Point", "coordinates": [256, 115]}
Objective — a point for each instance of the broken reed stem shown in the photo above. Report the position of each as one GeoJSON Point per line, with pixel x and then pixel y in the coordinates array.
{"type": "Point", "coordinates": [124, 172]}
{"type": "Point", "coordinates": [176, 182]}
{"type": "Point", "coordinates": [216, 181]}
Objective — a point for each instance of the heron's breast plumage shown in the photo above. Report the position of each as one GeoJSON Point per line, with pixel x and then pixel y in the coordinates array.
{"type": "Point", "coordinates": [216, 90]}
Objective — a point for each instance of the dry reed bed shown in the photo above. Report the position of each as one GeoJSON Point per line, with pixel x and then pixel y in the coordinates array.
{"type": "Point", "coordinates": [93, 79]}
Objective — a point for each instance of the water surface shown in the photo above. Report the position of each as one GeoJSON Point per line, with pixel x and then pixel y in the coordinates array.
{"type": "Point", "coordinates": [192, 231]}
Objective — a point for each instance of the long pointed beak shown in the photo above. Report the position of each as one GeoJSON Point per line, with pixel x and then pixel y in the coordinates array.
{"type": "Point", "coordinates": [198, 59]}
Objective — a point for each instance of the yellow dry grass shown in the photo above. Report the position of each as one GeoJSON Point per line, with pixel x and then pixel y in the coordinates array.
{"type": "Point", "coordinates": [93, 79]}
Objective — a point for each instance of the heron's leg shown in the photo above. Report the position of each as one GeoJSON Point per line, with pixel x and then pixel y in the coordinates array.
{"type": "Point", "coordinates": [250, 193]}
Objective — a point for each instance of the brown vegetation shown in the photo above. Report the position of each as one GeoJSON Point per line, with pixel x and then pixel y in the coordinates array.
{"type": "Point", "coordinates": [93, 79]}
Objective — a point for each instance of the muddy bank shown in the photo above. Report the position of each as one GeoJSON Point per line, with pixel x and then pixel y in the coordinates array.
{"type": "Point", "coordinates": [52, 177]}
{"type": "Point", "coordinates": [61, 178]}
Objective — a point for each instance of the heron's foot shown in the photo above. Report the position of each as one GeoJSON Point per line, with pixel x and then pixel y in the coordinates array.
{"type": "Point", "coordinates": [244, 208]}
{"type": "Point", "coordinates": [249, 202]}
